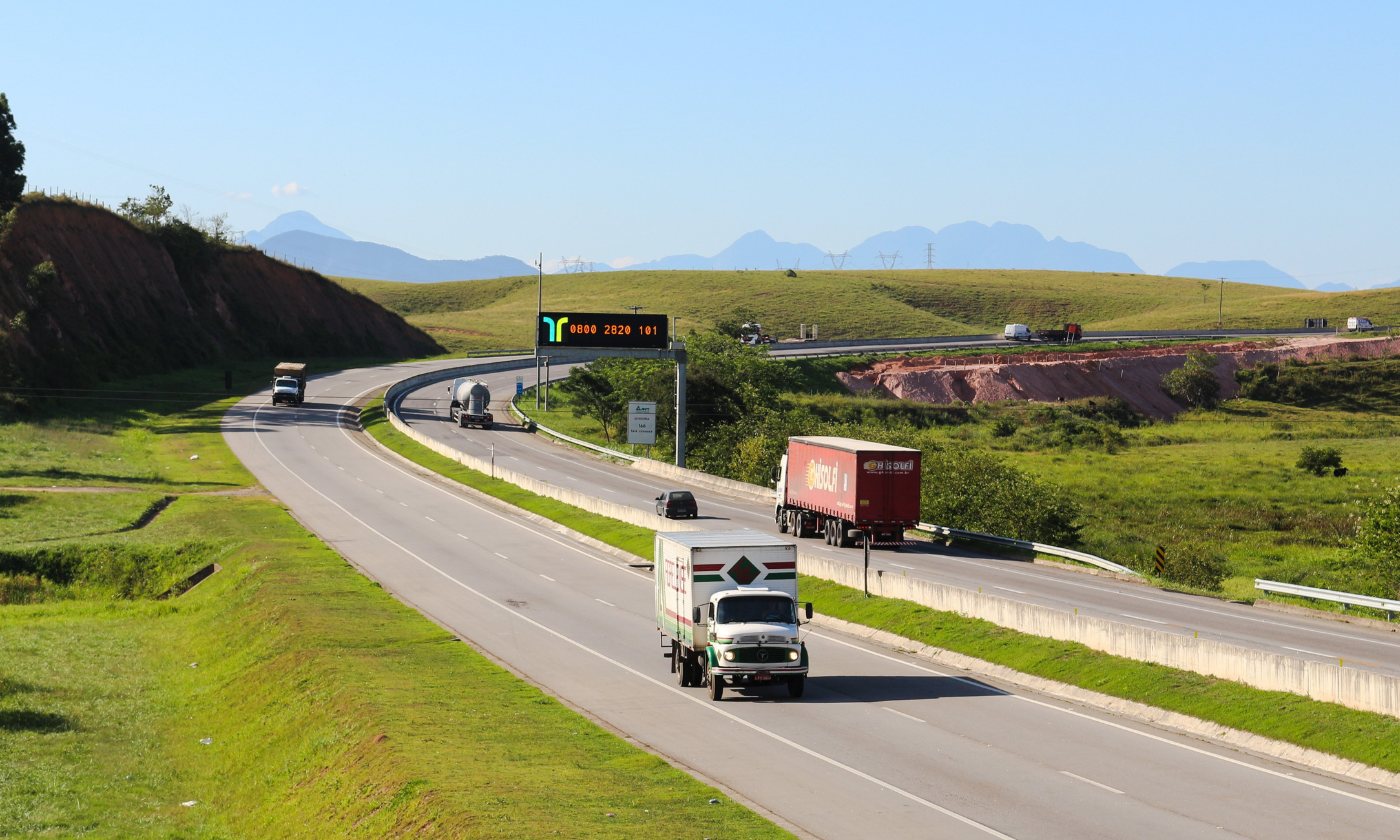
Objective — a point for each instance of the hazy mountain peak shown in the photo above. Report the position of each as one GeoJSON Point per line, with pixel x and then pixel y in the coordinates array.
{"type": "Point", "coordinates": [1257, 272]}
{"type": "Point", "coordinates": [295, 220]}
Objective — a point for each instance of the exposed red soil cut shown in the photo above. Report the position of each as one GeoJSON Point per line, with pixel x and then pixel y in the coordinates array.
{"type": "Point", "coordinates": [1135, 376]}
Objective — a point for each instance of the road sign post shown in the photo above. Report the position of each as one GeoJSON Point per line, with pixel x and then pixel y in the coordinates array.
{"type": "Point", "coordinates": [1161, 559]}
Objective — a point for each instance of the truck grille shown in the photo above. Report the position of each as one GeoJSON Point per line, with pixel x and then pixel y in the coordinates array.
{"type": "Point", "coordinates": [761, 656]}
{"type": "Point", "coordinates": [755, 640]}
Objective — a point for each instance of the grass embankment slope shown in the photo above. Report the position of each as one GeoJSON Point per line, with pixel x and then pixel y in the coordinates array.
{"type": "Point", "coordinates": [499, 314]}
{"type": "Point", "coordinates": [1360, 736]}
{"type": "Point", "coordinates": [330, 708]}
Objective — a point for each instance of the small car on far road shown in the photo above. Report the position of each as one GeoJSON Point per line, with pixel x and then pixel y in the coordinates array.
{"type": "Point", "coordinates": [677, 504]}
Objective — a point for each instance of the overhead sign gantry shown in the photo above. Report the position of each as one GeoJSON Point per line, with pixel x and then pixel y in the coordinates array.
{"type": "Point", "coordinates": [589, 335]}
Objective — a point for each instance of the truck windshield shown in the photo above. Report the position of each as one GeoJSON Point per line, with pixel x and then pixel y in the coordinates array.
{"type": "Point", "coordinates": [756, 609]}
{"type": "Point", "coordinates": [286, 383]}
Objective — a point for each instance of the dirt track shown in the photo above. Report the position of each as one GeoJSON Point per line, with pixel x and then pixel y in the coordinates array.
{"type": "Point", "coordinates": [1132, 375]}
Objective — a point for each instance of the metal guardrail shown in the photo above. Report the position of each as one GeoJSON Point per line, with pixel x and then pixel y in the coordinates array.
{"type": "Point", "coordinates": [1346, 599]}
{"type": "Point", "coordinates": [528, 423]}
{"type": "Point", "coordinates": [1042, 548]}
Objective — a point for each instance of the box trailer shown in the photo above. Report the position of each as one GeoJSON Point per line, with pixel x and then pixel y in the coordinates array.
{"type": "Point", "coordinates": [727, 609]}
{"type": "Point", "coordinates": [850, 491]}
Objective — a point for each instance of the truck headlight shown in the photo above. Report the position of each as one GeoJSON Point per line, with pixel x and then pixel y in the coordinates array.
{"type": "Point", "coordinates": [729, 655]}
{"type": "Point", "coordinates": [792, 654]}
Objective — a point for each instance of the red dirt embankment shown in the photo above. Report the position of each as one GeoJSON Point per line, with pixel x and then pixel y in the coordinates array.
{"type": "Point", "coordinates": [1135, 376]}
{"type": "Point", "coordinates": [119, 302]}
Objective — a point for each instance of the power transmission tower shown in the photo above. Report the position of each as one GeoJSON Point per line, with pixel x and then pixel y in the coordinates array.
{"type": "Point", "coordinates": [634, 308]}
{"type": "Point", "coordinates": [838, 261]}
{"type": "Point", "coordinates": [931, 251]}
{"type": "Point", "coordinates": [795, 265]}
{"type": "Point", "coordinates": [575, 265]}
{"type": "Point", "coordinates": [888, 260]}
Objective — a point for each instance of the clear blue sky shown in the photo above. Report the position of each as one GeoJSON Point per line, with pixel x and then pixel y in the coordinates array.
{"type": "Point", "coordinates": [1173, 132]}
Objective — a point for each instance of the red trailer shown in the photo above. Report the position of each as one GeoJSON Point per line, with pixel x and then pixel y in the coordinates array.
{"type": "Point", "coordinates": [848, 490]}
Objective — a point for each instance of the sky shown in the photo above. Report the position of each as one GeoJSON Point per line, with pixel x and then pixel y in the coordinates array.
{"type": "Point", "coordinates": [1172, 132]}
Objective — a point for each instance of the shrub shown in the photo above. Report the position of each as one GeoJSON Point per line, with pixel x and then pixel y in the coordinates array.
{"type": "Point", "coordinates": [1194, 383]}
{"type": "Point", "coordinates": [1318, 460]}
{"type": "Point", "coordinates": [1194, 562]}
{"type": "Point", "coordinates": [1377, 548]}
{"type": "Point", "coordinates": [976, 491]}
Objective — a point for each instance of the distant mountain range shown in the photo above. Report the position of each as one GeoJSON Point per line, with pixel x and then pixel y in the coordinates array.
{"type": "Point", "coordinates": [1238, 271]}
{"type": "Point", "coordinates": [301, 238]}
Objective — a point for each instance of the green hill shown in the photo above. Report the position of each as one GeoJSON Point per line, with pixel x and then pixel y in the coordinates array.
{"type": "Point", "coordinates": [497, 314]}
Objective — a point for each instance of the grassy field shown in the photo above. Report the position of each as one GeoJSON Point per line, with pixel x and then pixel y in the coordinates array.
{"type": "Point", "coordinates": [499, 314]}
{"type": "Point", "coordinates": [1361, 736]}
{"type": "Point", "coordinates": [285, 696]}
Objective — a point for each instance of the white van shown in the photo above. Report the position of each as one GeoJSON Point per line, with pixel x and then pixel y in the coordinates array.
{"type": "Point", "coordinates": [1017, 332]}
{"type": "Point", "coordinates": [1359, 324]}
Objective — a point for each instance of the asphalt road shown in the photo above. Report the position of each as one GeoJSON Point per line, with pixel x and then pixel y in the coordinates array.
{"type": "Point", "coordinates": [1300, 637]}
{"type": "Point", "coordinates": [882, 745]}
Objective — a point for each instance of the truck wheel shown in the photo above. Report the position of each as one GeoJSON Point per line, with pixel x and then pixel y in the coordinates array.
{"type": "Point", "coordinates": [797, 685]}
{"type": "Point", "coordinates": [716, 686]}
{"type": "Point", "coordinates": [683, 668]}
{"type": "Point", "coordinates": [782, 523]}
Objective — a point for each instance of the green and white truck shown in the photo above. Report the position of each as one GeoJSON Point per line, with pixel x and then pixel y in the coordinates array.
{"type": "Point", "coordinates": [727, 609]}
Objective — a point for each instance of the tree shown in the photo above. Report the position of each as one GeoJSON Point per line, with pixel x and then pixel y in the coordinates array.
{"type": "Point", "coordinates": [11, 158]}
{"type": "Point", "coordinates": [1194, 383]}
{"type": "Point", "coordinates": [152, 211]}
{"type": "Point", "coordinates": [1377, 547]}
{"type": "Point", "coordinates": [1319, 460]}
{"type": "Point", "coordinates": [594, 395]}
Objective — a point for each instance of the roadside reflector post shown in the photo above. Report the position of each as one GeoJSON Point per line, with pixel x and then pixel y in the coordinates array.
{"type": "Point", "coordinates": [866, 577]}
{"type": "Point", "coordinates": [1161, 561]}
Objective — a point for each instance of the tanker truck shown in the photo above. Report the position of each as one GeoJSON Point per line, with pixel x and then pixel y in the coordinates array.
{"type": "Point", "coordinates": [849, 491]}
{"type": "Point", "coordinates": [726, 601]}
{"type": "Point", "coordinates": [471, 403]}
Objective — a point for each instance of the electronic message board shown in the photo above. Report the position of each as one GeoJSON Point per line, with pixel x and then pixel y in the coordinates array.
{"type": "Point", "coordinates": [602, 329]}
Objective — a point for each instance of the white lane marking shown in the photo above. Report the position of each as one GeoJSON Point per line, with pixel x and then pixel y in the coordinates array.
{"type": "Point", "coordinates": [1092, 782]}
{"type": "Point", "coordinates": [1224, 613]}
{"type": "Point", "coordinates": [1008, 589]}
{"type": "Point", "coordinates": [429, 518]}
{"type": "Point", "coordinates": [601, 601]}
{"type": "Point", "coordinates": [342, 469]}
{"type": "Point", "coordinates": [903, 715]}
{"type": "Point", "coordinates": [1153, 620]}
{"type": "Point", "coordinates": [902, 566]}
{"type": "Point", "coordinates": [702, 703]}
{"type": "Point", "coordinates": [1313, 652]}
{"type": "Point", "coordinates": [361, 480]}
{"type": "Point", "coordinates": [464, 536]}
{"type": "Point", "coordinates": [500, 555]}
{"type": "Point", "coordinates": [404, 504]}
{"type": "Point", "coordinates": [377, 490]}
{"type": "Point", "coordinates": [548, 578]}
{"type": "Point", "coordinates": [1289, 776]}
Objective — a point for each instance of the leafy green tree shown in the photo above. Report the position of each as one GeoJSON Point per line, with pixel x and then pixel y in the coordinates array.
{"type": "Point", "coordinates": [1194, 383]}
{"type": "Point", "coordinates": [152, 211]}
{"type": "Point", "coordinates": [11, 157]}
{"type": "Point", "coordinates": [1377, 547]}
{"type": "Point", "coordinates": [593, 395]}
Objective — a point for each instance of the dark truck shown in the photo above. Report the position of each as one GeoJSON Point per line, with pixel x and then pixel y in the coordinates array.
{"type": "Point", "coordinates": [850, 491]}
{"type": "Point", "coordinates": [1071, 332]}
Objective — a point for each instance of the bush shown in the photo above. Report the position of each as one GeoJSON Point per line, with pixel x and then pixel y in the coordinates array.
{"type": "Point", "coordinates": [1318, 460]}
{"type": "Point", "coordinates": [976, 491]}
{"type": "Point", "coordinates": [1376, 551]}
{"type": "Point", "coordinates": [1194, 562]}
{"type": "Point", "coordinates": [1194, 383]}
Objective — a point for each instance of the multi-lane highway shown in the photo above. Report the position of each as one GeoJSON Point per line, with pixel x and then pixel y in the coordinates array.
{"type": "Point", "coordinates": [882, 745]}
{"type": "Point", "coordinates": [1304, 638]}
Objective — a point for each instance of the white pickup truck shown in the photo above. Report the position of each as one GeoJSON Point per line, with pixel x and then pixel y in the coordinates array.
{"type": "Point", "coordinates": [727, 609]}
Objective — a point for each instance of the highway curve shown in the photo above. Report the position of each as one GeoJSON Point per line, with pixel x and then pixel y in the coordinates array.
{"type": "Point", "coordinates": [882, 745]}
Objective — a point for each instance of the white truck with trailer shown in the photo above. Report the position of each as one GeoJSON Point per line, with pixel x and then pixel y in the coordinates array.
{"type": "Point", "coordinates": [727, 609]}
{"type": "Point", "coordinates": [471, 403]}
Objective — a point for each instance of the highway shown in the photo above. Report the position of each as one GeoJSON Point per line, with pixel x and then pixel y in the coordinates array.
{"type": "Point", "coordinates": [1130, 603]}
{"type": "Point", "coordinates": [882, 745]}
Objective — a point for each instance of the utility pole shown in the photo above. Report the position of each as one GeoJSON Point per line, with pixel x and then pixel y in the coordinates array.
{"type": "Point", "coordinates": [539, 309]}
{"type": "Point", "coordinates": [678, 347]}
{"type": "Point", "coordinates": [1220, 311]}
{"type": "Point", "coordinates": [634, 308]}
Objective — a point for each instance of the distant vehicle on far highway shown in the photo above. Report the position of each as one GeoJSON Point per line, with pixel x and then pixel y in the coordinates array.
{"type": "Point", "coordinates": [1359, 324]}
{"type": "Point", "coordinates": [753, 335]}
{"type": "Point", "coordinates": [289, 386]}
{"type": "Point", "coordinates": [1071, 332]}
{"type": "Point", "coordinates": [1017, 332]}
{"type": "Point", "coordinates": [677, 504]}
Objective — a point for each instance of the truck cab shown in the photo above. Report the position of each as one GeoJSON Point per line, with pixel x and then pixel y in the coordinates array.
{"type": "Point", "coordinates": [752, 634]}
{"type": "Point", "coordinates": [289, 383]}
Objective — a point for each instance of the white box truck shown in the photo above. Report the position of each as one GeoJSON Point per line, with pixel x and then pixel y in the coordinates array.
{"type": "Point", "coordinates": [727, 609]}
{"type": "Point", "coordinates": [1016, 332]}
